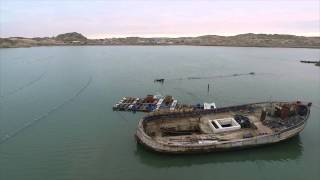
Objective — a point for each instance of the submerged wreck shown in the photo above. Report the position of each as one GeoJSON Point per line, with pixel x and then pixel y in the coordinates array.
{"type": "Point", "coordinates": [223, 128]}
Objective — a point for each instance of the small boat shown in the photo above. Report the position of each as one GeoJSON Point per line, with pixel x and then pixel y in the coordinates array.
{"type": "Point", "coordinates": [221, 129]}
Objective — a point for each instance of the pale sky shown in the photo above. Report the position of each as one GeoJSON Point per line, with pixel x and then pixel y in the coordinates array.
{"type": "Point", "coordinates": [157, 18]}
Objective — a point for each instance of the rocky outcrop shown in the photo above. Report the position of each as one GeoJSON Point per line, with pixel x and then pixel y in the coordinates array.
{"type": "Point", "coordinates": [71, 37]}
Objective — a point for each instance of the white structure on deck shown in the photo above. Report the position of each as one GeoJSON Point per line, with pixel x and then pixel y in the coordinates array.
{"type": "Point", "coordinates": [173, 105]}
{"type": "Point", "coordinates": [209, 106]}
{"type": "Point", "coordinates": [159, 103]}
{"type": "Point", "coordinates": [223, 125]}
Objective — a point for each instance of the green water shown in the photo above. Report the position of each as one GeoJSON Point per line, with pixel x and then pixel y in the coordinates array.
{"type": "Point", "coordinates": [56, 118]}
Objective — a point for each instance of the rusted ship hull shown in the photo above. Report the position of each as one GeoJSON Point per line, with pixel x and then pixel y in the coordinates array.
{"type": "Point", "coordinates": [203, 143]}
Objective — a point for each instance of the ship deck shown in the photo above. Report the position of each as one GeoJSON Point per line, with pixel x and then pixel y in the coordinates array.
{"type": "Point", "coordinates": [192, 129]}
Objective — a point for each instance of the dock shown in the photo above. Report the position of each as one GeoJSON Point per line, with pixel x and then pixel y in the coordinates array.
{"type": "Point", "coordinates": [152, 103]}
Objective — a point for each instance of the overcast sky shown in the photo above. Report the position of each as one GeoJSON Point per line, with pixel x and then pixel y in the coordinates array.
{"type": "Point", "coordinates": [154, 18]}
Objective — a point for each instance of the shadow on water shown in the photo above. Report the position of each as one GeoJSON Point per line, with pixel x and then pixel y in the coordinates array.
{"type": "Point", "coordinates": [284, 151]}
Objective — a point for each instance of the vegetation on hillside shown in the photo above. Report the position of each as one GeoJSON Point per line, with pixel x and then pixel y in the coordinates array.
{"type": "Point", "coordinates": [71, 37]}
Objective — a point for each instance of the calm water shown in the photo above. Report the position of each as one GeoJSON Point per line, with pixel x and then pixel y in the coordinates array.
{"type": "Point", "coordinates": [56, 120]}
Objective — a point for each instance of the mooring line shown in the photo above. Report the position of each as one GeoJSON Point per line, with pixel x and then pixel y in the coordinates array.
{"type": "Point", "coordinates": [214, 77]}
{"type": "Point", "coordinates": [30, 83]}
{"type": "Point", "coordinates": [43, 116]}
{"type": "Point", "coordinates": [122, 117]}
{"type": "Point", "coordinates": [192, 95]}
{"type": "Point", "coordinates": [316, 105]}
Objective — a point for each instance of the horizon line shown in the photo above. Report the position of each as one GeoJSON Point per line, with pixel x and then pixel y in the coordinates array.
{"type": "Point", "coordinates": [105, 36]}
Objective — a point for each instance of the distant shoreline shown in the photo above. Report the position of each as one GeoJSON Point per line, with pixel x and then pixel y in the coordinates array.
{"type": "Point", "coordinates": [137, 45]}
{"type": "Point", "coordinates": [241, 40]}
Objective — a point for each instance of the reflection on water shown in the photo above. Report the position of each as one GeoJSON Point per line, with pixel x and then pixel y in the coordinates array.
{"type": "Point", "coordinates": [284, 151]}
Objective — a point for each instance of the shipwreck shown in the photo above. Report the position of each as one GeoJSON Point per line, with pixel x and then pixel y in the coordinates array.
{"type": "Point", "coordinates": [224, 128]}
